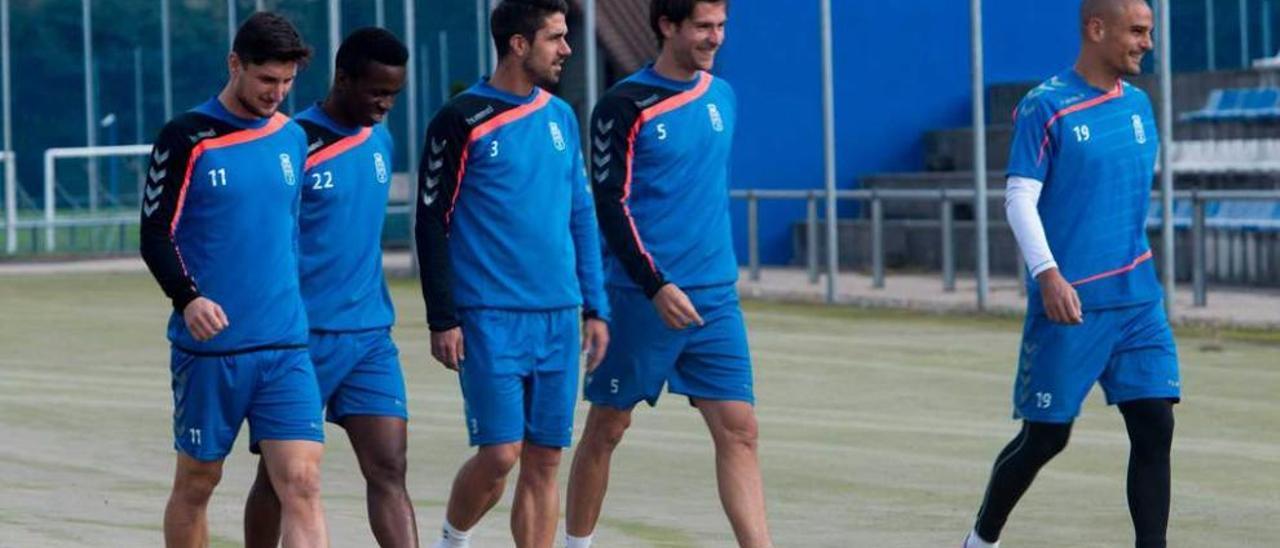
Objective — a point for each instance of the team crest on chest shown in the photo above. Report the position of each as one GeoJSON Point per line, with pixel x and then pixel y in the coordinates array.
{"type": "Point", "coordinates": [557, 137]}
{"type": "Point", "coordinates": [717, 122]}
{"type": "Point", "coordinates": [380, 168]}
{"type": "Point", "coordinates": [286, 169]}
{"type": "Point", "coordinates": [1139, 131]}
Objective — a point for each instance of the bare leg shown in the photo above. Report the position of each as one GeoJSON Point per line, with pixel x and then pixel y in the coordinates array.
{"type": "Point", "coordinates": [479, 484]}
{"type": "Point", "coordinates": [735, 433]}
{"type": "Point", "coordinates": [380, 443]}
{"type": "Point", "coordinates": [589, 477]}
{"type": "Point", "coordinates": [262, 512]}
{"type": "Point", "coordinates": [294, 468]}
{"type": "Point", "coordinates": [186, 522]}
{"type": "Point", "coordinates": [537, 500]}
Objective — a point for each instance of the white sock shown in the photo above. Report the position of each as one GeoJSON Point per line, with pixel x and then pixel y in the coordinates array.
{"type": "Point", "coordinates": [975, 541]}
{"type": "Point", "coordinates": [571, 541]}
{"type": "Point", "coordinates": [451, 537]}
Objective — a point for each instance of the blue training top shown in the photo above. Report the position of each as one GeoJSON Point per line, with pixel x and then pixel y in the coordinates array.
{"type": "Point", "coordinates": [220, 220]}
{"type": "Point", "coordinates": [1095, 151]}
{"type": "Point", "coordinates": [344, 206]}
{"type": "Point", "coordinates": [660, 167]}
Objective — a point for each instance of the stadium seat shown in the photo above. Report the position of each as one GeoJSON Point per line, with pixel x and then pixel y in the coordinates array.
{"type": "Point", "coordinates": [1237, 104]}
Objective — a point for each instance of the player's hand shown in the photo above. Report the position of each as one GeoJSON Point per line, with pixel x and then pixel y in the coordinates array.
{"type": "Point", "coordinates": [595, 341]}
{"type": "Point", "coordinates": [1061, 303]}
{"type": "Point", "coordinates": [674, 308]}
{"type": "Point", "coordinates": [447, 347]}
{"type": "Point", "coordinates": [205, 319]}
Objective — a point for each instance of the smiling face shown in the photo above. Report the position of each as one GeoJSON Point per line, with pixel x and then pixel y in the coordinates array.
{"type": "Point", "coordinates": [1121, 36]}
{"type": "Point", "coordinates": [694, 42]}
{"type": "Point", "coordinates": [261, 88]}
{"type": "Point", "coordinates": [368, 97]}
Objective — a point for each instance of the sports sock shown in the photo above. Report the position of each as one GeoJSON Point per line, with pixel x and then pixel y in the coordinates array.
{"type": "Point", "coordinates": [975, 541]}
{"type": "Point", "coordinates": [451, 537]}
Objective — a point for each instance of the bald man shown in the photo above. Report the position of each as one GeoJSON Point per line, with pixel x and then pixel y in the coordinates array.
{"type": "Point", "coordinates": [1079, 185]}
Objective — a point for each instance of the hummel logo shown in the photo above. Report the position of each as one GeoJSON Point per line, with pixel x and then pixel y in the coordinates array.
{"type": "Point", "coordinates": [432, 182]}
{"type": "Point", "coordinates": [316, 145]}
{"type": "Point", "coordinates": [159, 156]}
{"type": "Point", "coordinates": [601, 161]}
{"type": "Point", "coordinates": [603, 127]}
{"type": "Point", "coordinates": [156, 175]}
{"type": "Point", "coordinates": [601, 144]}
{"type": "Point", "coordinates": [480, 115]}
{"type": "Point", "coordinates": [151, 195]}
{"type": "Point", "coordinates": [438, 146]}
{"type": "Point", "coordinates": [435, 165]}
{"type": "Point", "coordinates": [647, 101]}
{"type": "Point", "coordinates": [150, 207]}
{"type": "Point", "coordinates": [195, 138]}
{"type": "Point", "coordinates": [602, 175]}
{"type": "Point", "coordinates": [428, 198]}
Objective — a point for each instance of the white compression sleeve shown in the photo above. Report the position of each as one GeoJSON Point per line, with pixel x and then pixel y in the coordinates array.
{"type": "Point", "coordinates": [1020, 197]}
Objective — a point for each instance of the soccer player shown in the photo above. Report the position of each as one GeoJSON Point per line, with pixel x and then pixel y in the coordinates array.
{"type": "Point", "coordinates": [660, 157]}
{"type": "Point", "coordinates": [219, 226]}
{"type": "Point", "coordinates": [1080, 175]}
{"type": "Point", "coordinates": [344, 204]}
{"type": "Point", "coordinates": [510, 253]}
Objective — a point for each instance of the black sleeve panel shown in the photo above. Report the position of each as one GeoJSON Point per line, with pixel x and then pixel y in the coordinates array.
{"type": "Point", "coordinates": [318, 136]}
{"type": "Point", "coordinates": [439, 176]}
{"type": "Point", "coordinates": [160, 208]}
{"type": "Point", "coordinates": [614, 124]}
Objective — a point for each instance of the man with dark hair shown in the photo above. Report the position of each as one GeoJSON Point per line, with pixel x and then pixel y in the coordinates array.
{"type": "Point", "coordinates": [344, 205]}
{"type": "Point", "coordinates": [660, 157]}
{"type": "Point", "coordinates": [510, 255]}
{"type": "Point", "coordinates": [1080, 172]}
{"type": "Point", "coordinates": [219, 224]}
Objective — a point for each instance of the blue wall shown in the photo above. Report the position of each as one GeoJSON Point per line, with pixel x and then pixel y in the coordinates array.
{"type": "Point", "coordinates": [901, 69]}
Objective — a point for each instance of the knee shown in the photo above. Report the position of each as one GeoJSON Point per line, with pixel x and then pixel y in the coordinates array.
{"type": "Point", "coordinates": [1150, 424]}
{"type": "Point", "coordinates": [741, 433]}
{"type": "Point", "coordinates": [498, 460]}
{"type": "Point", "coordinates": [608, 431]}
{"type": "Point", "coordinates": [195, 485]}
{"type": "Point", "coordinates": [544, 460]}
{"type": "Point", "coordinates": [1045, 441]}
{"type": "Point", "coordinates": [385, 471]}
{"type": "Point", "coordinates": [299, 481]}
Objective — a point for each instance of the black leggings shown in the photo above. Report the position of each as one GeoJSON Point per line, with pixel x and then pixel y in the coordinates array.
{"type": "Point", "coordinates": [1150, 425]}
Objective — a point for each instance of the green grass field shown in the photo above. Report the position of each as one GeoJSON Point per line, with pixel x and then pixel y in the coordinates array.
{"type": "Point", "coordinates": [878, 430]}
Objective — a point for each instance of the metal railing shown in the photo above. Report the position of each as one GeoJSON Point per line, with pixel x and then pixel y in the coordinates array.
{"type": "Point", "coordinates": [947, 199]}
{"type": "Point", "coordinates": [10, 201]}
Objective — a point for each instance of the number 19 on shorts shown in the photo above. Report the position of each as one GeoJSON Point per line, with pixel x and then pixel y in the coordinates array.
{"type": "Point", "coordinates": [1044, 400]}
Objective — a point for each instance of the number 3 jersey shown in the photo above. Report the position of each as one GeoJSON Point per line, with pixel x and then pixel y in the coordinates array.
{"type": "Point", "coordinates": [660, 166]}
{"type": "Point", "coordinates": [505, 218]}
{"type": "Point", "coordinates": [344, 205]}
{"type": "Point", "coordinates": [220, 221]}
{"type": "Point", "coordinates": [1095, 151]}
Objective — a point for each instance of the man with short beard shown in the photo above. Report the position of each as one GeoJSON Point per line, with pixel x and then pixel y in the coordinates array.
{"type": "Point", "coordinates": [219, 233]}
{"type": "Point", "coordinates": [1080, 174]}
{"type": "Point", "coordinates": [510, 257]}
{"type": "Point", "coordinates": [660, 148]}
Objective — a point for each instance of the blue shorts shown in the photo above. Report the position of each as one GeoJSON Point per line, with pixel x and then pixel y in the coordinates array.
{"type": "Point", "coordinates": [274, 389]}
{"type": "Point", "coordinates": [359, 374]}
{"type": "Point", "coordinates": [520, 376]}
{"type": "Point", "coordinates": [1129, 351]}
{"type": "Point", "coordinates": [711, 362]}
